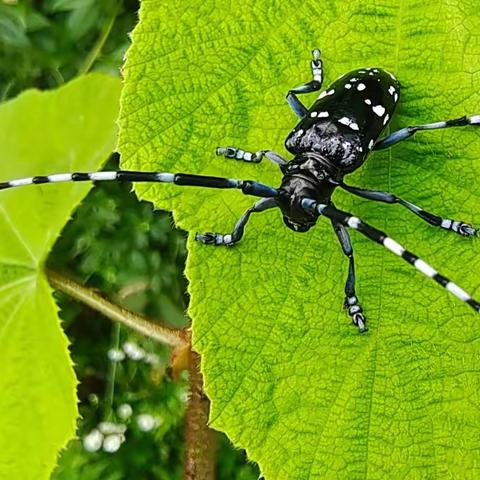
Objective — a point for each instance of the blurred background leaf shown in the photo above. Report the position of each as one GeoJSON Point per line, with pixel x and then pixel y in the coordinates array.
{"type": "Point", "coordinates": [72, 127]}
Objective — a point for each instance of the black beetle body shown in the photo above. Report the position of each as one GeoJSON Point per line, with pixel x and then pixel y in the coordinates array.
{"type": "Point", "coordinates": [334, 138]}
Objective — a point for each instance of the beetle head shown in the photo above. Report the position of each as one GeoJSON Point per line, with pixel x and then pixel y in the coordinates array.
{"type": "Point", "coordinates": [298, 225]}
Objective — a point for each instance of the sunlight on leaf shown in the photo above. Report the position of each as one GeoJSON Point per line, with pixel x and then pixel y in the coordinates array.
{"type": "Point", "coordinates": [289, 378]}
{"type": "Point", "coordinates": [72, 128]}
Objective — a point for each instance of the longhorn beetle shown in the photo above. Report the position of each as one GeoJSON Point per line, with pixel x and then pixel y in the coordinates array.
{"type": "Point", "coordinates": [333, 138]}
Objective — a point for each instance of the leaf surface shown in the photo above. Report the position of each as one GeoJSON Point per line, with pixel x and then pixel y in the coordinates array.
{"type": "Point", "coordinates": [289, 378]}
{"type": "Point", "coordinates": [69, 129]}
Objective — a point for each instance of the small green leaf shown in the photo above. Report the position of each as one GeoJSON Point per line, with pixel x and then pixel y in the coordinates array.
{"type": "Point", "coordinates": [72, 128]}
{"type": "Point", "coordinates": [290, 378]}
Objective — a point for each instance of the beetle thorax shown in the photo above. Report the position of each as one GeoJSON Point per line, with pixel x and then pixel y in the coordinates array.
{"type": "Point", "coordinates": [306, 176]}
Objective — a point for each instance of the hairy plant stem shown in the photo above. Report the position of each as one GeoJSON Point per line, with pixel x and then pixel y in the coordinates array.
{"type": "Point", "coordinates": [161, 333]}
{"type": "Point", "coordinates": [201, 441]}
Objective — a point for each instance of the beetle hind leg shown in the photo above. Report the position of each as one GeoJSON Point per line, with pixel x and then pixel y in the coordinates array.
{"type": "Point", "coordinates": [356, 313]}
{"type": "Point", "coordinates": [407, 132]}
{"type": "Point", "coordinates": [351, 303]}
{"type": "Point", "coordinates": [456, 226]}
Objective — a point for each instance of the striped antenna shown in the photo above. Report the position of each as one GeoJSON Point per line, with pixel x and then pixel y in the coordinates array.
{"type": "Point", "coordinates": [248, 187]}
{"type": "Point", "coordinates": [382, 238]}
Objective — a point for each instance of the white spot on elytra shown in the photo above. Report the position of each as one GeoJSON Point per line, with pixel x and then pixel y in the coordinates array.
{"type": "Point", "coordinates": [375, 70]}
{"type": "Point", "coordinates": [313, 114]}
{"type": "Point", "coordinates": [361, 86]}
{"type": "Point", "coordinates": [348, 86]}
{"type": "Point", "coordinates": [354, 79]}
{"type": "Point", "coordinates": [349, 123]}
{"type": "Point", "coordinates": [385, 120]}
{"type": "Point", "coordinates": [391, 90]}
{"type": "Point", "coordinates": [370, 144]}
{"type": "Point", "coordinates": [324, 94]}
{"type": "Point", "coordinates": [322, 114]}
{"type": "Point", "coordinates": [379, 110]}
{"type": "Point", "coordinates": [395, 97]}
{"type": "Point", "coordinates": [368, 101]}
{"type": "Point", "coordinates": [360, 149]}
{"type": "Point", "coordinates": [300, 132]}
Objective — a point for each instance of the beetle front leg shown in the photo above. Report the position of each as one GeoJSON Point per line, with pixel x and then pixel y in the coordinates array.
{"type": "Point", "coordinates": [312, 86]}
{"type": "Point", "coordinates": [351, 301]}
{"type": "Point", "coordinates": [230, 239]}
{"type": "Point", "coordinates": [252, 157]}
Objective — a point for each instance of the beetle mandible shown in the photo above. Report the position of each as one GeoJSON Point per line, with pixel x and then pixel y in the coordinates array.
{"type": "Point", "coordinates": [333, 138]}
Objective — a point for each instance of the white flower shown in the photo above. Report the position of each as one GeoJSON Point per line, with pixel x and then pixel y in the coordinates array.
{"type": "Point", "coordinates": [133, 351]}
{"type": "Point", "coordinates": [152, 359]}
{"type": "Point", "coordinates": [113, 442]}
{"type": "Point", "coordinates": [93, 441]}
{"type": "Point", "coordinates": [124, 411]}
{"type": "Point", "coordinates": [107, 428]}
{"type": "Point", "coordinates": [116, 355]}
{"type": "Point", "coordinates": [147, 422]}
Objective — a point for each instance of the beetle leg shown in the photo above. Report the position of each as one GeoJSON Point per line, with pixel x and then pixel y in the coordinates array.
{"type": "Point", "coordinates": [251, 157]}
{"type": "Point", "coordinates": [351, 300]}
{"type": "Point", "coordinates": [312, 86]}
{"type": "Point", "coordinates": [407, 132]}
{"type": "Point", "coordinates": [350, 221]}
{"type": "Point", "coordinates": [230, 239]}
{"type": "Point", "coordinates": [462, 228]}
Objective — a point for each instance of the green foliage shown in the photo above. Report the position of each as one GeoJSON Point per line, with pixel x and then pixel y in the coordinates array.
{"type": "Point", "coordinates": [290, 380]}
{"type": "Point", "coordinates": [156, 454]}
{"type": "Point", "coordinates": [127, 250]}
{"type": "Point", "coordinates": [71, 127]}
{"type": "Point", "coordinates": [43, 44]}
{"type": "Point", "coordinates": [124, 248]}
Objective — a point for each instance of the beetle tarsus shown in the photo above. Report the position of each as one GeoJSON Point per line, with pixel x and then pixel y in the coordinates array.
{"type": "Point", "coordinates": [356, 313]}
{"type": "Point", "coordinates": [467, 230]}
{"type": "Point", "coordinates": [216, 239]}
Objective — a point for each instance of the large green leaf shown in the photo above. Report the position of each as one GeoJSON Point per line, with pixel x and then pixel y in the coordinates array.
{"type": "Point", "coordinates": [72, 128]}
{"type": "Point", "coordinates": [289, 378]}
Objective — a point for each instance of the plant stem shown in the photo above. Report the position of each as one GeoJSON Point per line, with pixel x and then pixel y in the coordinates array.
{"type": "Point", "coordinates": [201, 441]}
{"type": "Point", "coordinates": [112, 371]}
{"type": "Point", "coordinates": [97, 48]}
{"type": "Point", "coordinates": [161, 333]}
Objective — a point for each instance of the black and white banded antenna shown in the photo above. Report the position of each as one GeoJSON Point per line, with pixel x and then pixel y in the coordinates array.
{"type": "Point", "coordinates": [248, 187]}
{"type": "Point", "coordinates": [372, 233]}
